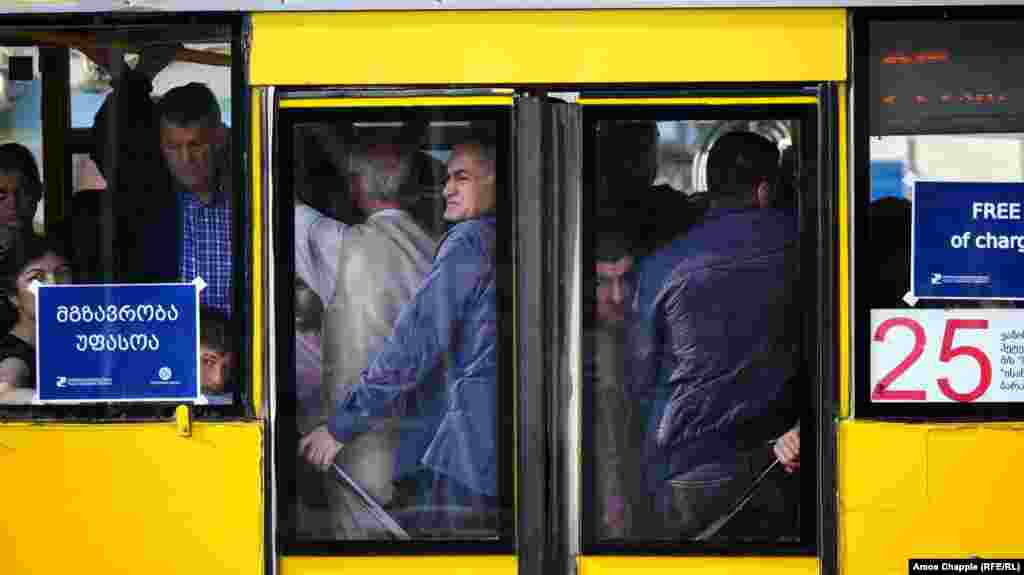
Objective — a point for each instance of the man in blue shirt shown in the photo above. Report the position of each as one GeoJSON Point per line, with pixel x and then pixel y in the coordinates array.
{"type": "Point", "coordinates": [718, 344]}
{"type": "Point", "coordinates": [451, 324]}
{"type": "Point", "coordinates": [193, 142]}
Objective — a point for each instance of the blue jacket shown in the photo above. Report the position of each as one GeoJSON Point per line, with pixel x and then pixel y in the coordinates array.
{"type": "Point", "coordinates": [717, 341]}
{"type": "Point", "coordinates": [451, 323]}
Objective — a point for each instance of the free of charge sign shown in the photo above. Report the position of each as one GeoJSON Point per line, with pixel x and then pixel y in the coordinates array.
{"type": "Point", "coordinates": [106, 343]}
{"type": "Point", "coordinates": [968, 240]}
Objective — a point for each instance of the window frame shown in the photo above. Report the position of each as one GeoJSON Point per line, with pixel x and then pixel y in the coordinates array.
{"type": "Point", "coordinates": [818, 225]}
{"type": "Point", "coordinates": [78, 140]}
{"type": "Point", "coordinates": [284, 318]}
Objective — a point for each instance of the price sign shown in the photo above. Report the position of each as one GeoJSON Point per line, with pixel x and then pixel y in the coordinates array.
{"type": "Point", "coordinates": [944, 356]}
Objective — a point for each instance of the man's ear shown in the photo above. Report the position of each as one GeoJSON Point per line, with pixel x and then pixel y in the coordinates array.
{"type": "Point", "coordinates": [220, 135]}
{"type": "Point", "coordinates": [763, 194]}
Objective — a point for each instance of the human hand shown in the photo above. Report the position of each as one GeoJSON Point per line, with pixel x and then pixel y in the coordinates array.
{"type": "Point", "coordinates": [320, 448]}
{"type": "Point", "coordinates": [787, 450]}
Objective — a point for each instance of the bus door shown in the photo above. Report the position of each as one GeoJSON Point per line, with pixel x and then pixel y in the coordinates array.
{"type": "Point", "coordinates": [671, 312]}
{"type": "Point", "coordinates": [393, 258]}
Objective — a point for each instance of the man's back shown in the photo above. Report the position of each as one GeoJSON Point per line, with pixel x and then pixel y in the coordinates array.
{"type": "Point", "coordinates": [727, 339]}
{"type": "Point", "coordinates": [380, 267]}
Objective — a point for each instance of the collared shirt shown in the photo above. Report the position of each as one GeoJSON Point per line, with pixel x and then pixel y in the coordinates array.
{"type": "Point", "coordinates": [318, 244]}
{"type": "Point", "coordinates": [206, 247]}
{"type": "Point", "coordinates": [451, 324]}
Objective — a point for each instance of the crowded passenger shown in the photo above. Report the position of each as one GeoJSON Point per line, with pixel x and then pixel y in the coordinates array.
{"type": "Point", "coordinates": [364, 275]}
{"type": "Point", "coordinates": [619, 493]}
{"type": "Point", "coordinates": [30, 259]}
{"type": "Point", "coordinates": [308, 353]}
{"type": "Point", "coordinates": [194, 144]}
{"type": "Point", "coordinates": [451, 327]}
{"type": "Point", "coordinates": [719, 340]}
{"type": "Point", "coordinates": [168, 165]}
{"type": "Point", "coordinates": [654, 215]}
{"type": "Point", "coordinates": [20, 187]}
{"type": "Point", "coordinates": [216, 355]}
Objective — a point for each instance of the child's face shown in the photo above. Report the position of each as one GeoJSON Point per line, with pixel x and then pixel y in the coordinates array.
{"type": "Point", "coordinates": [215, 369]}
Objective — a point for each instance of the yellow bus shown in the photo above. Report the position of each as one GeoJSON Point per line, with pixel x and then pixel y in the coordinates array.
{"type": "Point", "coordinates": [557, 162]}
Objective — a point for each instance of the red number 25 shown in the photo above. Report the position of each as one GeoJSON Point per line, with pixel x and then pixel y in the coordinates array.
{"type": "Point", "coordinates": [881, 390]}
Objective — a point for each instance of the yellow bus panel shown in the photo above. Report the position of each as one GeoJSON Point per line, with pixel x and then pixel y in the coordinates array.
{"type": "Point", "coordinates": [433, 565]}
{"type": "Point", "coordinates": [928, 491]}
{"type": "Point", "coordinates": [131, 498]}
{"type": "Point", "coordinates": [557, 46]}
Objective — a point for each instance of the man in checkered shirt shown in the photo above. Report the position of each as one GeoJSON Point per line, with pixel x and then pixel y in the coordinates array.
{"type": "Point", "coordinates": [194, 145]}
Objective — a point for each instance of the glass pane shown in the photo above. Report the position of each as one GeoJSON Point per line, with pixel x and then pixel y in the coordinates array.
{"type": "Point", "coordinates": [150, 202]}
{"type": "Point", "coordinates": [943, 229]}
{"type": "Point", "coordinates": [694, 369]}
{"type": "Point", "coordinates": [395, 406]}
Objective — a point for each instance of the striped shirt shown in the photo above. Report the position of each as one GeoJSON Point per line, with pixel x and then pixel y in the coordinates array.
{"type": "Point", "coordinates": [206, 247]}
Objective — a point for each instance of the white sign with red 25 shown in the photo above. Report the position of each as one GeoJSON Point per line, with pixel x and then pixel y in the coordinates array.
{"type": "Point", "coordinates": [943, 356]}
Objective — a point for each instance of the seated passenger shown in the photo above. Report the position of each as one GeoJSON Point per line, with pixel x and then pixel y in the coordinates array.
{"type": "Point", "coordinates": [451, 324]}
{"type": "Point", "coordinates": [20, 187]}
{"type": "Point", "coordinates": [216, 355]}
{"type": "Point", "coordinates": [720, 341]}
{"type": "Point", "coordinates": [30, 259]}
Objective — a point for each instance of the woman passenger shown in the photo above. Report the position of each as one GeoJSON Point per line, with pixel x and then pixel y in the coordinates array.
{"type": "Point", "coordinates": [30, 259]}
{"type": "Point", "coordinates": [20, 187]}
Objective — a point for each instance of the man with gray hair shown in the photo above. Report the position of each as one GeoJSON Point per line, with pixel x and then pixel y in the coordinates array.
{"type": "Point", "coordinates": [364, 274]}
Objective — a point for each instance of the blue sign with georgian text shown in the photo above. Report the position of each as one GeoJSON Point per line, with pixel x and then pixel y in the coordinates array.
{"type": "Point", "coordinates": [102, 343]}
{"type": "Point", "coordinates": [968, 240]}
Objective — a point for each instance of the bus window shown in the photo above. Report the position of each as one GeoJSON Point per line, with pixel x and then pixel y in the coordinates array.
{"type": "Point", "coordinates": [695, 382]}
{"type": "Point", "coordinates": [939, 231]}
{"type": "Point", "coordinates": [395, 425]}
{"type": "Point", "coordinates": [140, 180]}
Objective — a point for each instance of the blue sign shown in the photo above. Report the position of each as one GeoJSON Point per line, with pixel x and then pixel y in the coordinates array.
{"type": "Point", "coordinates": [968, 240]}
{"type": "Point", "coordinates": [100, 343]}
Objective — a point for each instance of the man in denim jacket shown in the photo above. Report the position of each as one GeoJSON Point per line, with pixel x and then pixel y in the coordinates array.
{"type": "Point", "coordinates": [452, 324]}
{"type": "Point", "coordinates": [718, 346]}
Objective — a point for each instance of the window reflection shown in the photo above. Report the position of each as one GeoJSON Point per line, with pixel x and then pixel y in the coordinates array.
{"type": "Point", "coordinates": [693, 360]}
{"type": "Point", "coordinates": [396, 343]}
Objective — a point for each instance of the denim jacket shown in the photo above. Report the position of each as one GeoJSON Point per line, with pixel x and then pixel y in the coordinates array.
{"type": "Point", "coordinates": [450, 324]}
{"type": "Point", "coordinates": [717, 341]}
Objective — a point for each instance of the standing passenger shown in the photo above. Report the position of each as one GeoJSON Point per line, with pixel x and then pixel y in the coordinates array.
{"type": "Point", "coordinates": [720, 341]}
{"type": "Point", "coordinates": [365, 275]}
{"type": "Point", "coordinates": [619, 496]}
{"type": "Point", "coordinates": [194, 144]}
{"type": "Point", "coordinates": [451, 324]}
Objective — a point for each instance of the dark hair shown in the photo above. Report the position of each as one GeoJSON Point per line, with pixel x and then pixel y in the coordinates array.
{"type": "Point", "coordinates": [738, 161]}
{"type": "Point", "coordinates": [189, 104]}
{"type": "Point", "coordinates": [22, 249]}
{"type": "Point", "coordinates": [611, 246]}
{"type": "Point", "coordinates": [125, 127]}
{"type": "Point", "coordinates": [18, 159]}
{"type": "Point", "coordinates": [215, 330]}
